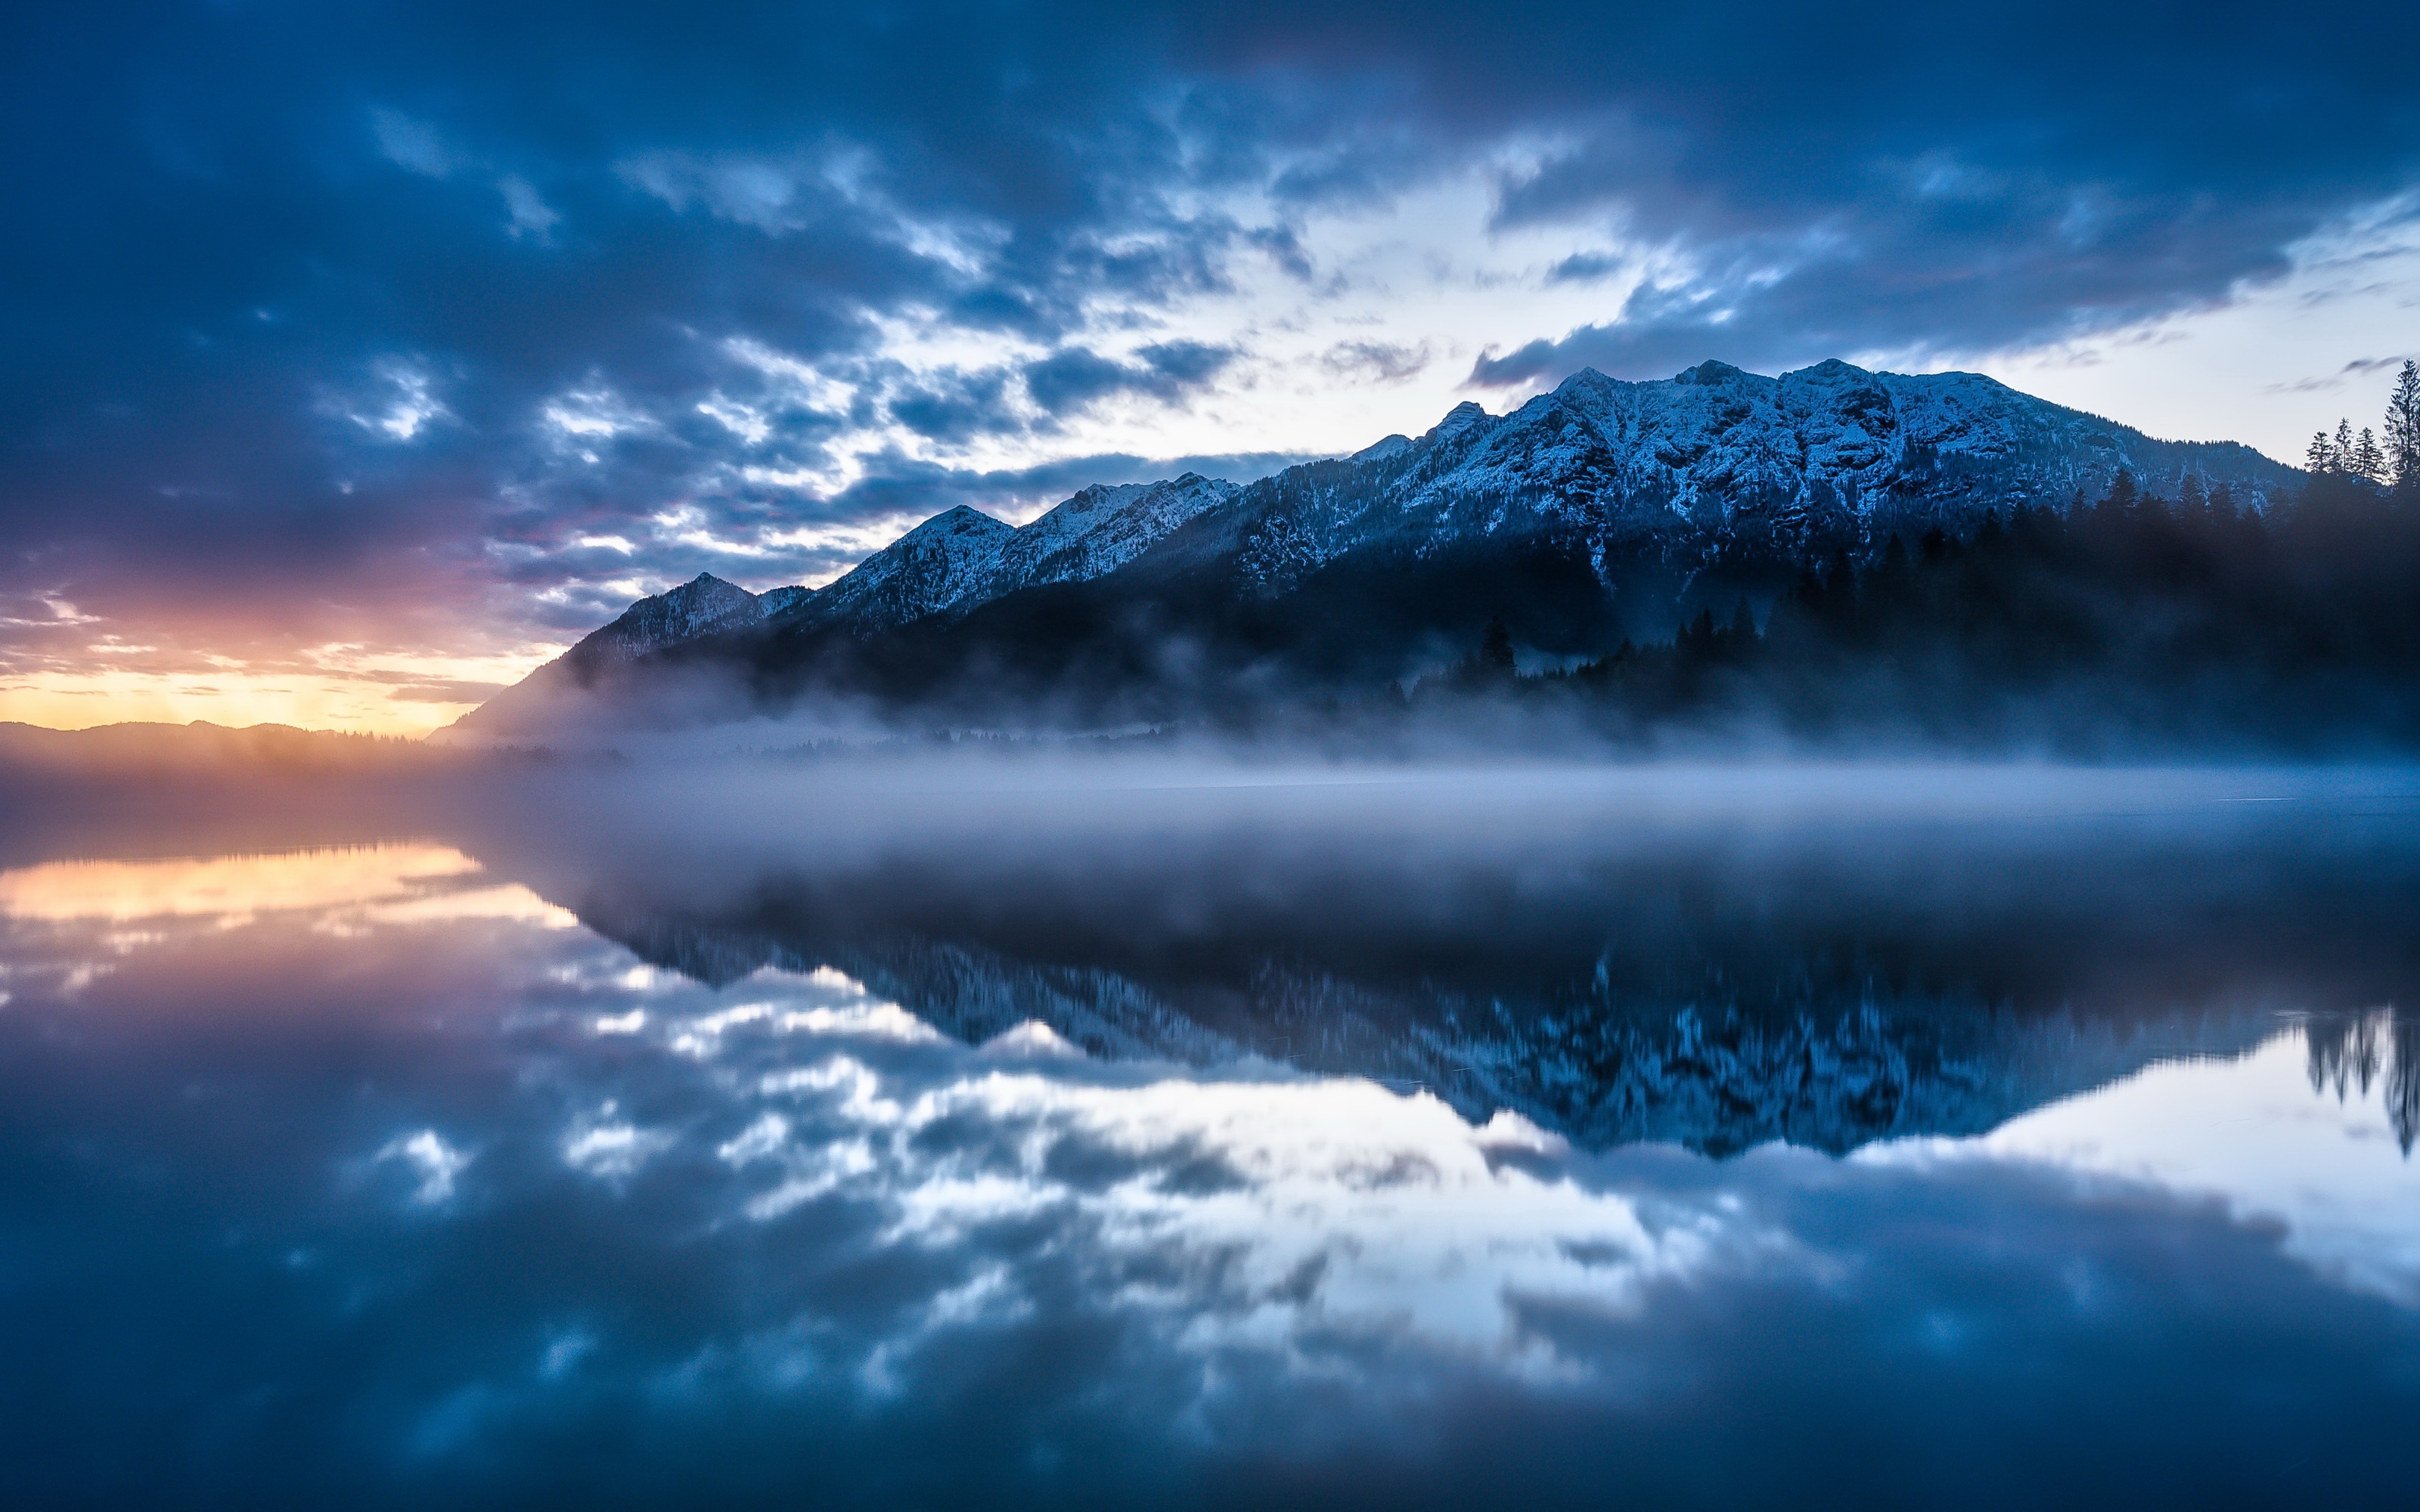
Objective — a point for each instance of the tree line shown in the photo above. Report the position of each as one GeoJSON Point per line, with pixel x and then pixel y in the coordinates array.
{"type": "Point", "coordinates": [2387, 460]}
{"type": "Point", "coordinates": [2137, 621]}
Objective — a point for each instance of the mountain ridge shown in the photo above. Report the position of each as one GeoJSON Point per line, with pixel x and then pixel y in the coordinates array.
{"type": "Point", "coordinates": [1642, 486]}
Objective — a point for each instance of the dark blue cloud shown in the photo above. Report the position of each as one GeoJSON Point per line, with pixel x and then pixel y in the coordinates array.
{"type": "Point", "coordinates": [250, 243]}
{"type": "Point", "coordinates": [1070, 379]}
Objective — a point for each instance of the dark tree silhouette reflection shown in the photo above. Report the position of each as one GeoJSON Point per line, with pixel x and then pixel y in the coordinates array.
{"type": "Point", "coordinates": [2348, 1053]}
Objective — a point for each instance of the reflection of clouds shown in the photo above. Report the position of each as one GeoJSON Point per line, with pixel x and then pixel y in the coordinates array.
{"type": "Point", "coordinates": [81, 975]}
{"type": "Point", "coordinates": [610, 1147]}
{"type": "Point", "coordinates": [854, 1014]}
{"type": "Point", "coordinates": [2249, 1132]}
{"type": "Point", "coordinates": [1249, 1212]}
{"type": "Point", "coordinates": [437, 1161]}
{"type": "Point", "coordinates": [785, 1221]}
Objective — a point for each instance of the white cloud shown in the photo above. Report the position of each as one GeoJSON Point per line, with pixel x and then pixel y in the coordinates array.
{"type": "Point", "coordinates": [411, 143]}
{"type": "Point", "coordinates": [410, 405]}
{"type": "Point", "coordinates": [531, 214]}
{"type": "Point", "coordinates": [437, 1161]}
{"type": "Point", "coordinates": [606, 1145]}
{"type": "Point", "coordinates": [595, 412]}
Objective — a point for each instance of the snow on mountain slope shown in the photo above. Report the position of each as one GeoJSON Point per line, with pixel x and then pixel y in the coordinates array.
{"type": "Point", "coordinates": [701, 606]}
{"type": "Point", "coordinates": [947, 559]}
{"type": "Point", "coordinates": [1680, 472]}
{"type": "Point", "coordinates": [956, 560]}
{"type": "Point", "coordinates": [704, 606]}
{"type": "Point", "coordinates": [1825, 456]}
{"type": "Point", "coordinates": [774, 601]}
{"type": "Point", "coordinates": [1102, 529]}
{"type": "Point", "coordinates": [952, 561]}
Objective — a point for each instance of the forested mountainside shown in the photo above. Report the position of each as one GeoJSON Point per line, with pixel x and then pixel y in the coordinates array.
{"type": "Point", "coordinates": [1602, 513]}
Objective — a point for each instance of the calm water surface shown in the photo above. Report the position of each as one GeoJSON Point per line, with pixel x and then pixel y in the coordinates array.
{"type": "Point", "coordinates": [1476, 1139]}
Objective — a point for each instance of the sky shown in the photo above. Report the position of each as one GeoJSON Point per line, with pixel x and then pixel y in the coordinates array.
{"type": "Point", "coordinates": [356, 359]}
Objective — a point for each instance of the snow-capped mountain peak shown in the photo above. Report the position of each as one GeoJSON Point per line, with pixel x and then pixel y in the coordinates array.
{"type": "Point", "coordinates": [940, 562]}
{"type": "Point", "coordinates": [1654, 479]}
{"type": "Point", "coordinates": [1825, 456]}
{"type": "Point", "coordinates": [963, 558]}
{"type": "Point", "coordinates": [1457, 419]}
{"type": "Point", "coordinates": [1102, 529]}
{"type": "Point", "coordinates": [701, 606]}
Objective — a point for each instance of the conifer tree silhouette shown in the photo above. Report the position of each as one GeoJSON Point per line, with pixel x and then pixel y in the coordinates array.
{"type": "Point", "coordinates": [1495, 648]}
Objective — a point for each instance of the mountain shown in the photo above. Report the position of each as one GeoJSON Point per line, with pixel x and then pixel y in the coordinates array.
{"type": "Point", "coordinates": [1716, 461]}
{"type": "Point", "coordinates": [963, 558]}
{"type": "Point", "coordinates": [701, 606]}
{"type": "Point", "coordinates": [1598, 512]}
{"type": "Point", "coordinates": [954, 559]}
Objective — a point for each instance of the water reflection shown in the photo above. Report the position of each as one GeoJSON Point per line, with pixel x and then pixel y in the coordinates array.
{"type": "Point", "coordinates": [385, 882]}
{"type": "Point", "coordinates": [2348, 1052]}
{"type": "Point", "coordinates": [368, 1175]}
{"type": "Point", "coordinates": [1617, 962]}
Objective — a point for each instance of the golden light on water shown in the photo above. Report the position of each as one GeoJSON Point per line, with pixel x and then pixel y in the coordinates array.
{"type": "Point", "coordinates": [402, 883]}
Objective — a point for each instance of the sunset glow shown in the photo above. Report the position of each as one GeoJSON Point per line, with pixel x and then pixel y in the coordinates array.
{"type": "Point", "coordinates": [377, 695]}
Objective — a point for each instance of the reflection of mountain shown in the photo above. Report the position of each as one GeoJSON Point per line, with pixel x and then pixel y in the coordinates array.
{"type": "Point", "coordinates": [1710, 959]}
{"type": "Point", "coordinates": [2352, 1051]}
{"type": "Point", "coordinates": [1610, 1064]}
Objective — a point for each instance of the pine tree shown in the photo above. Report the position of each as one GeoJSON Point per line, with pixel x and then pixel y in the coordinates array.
{"type": "Point", "coordinates": [2403, 431]}
{"type": "Point", "coordinates": [2343, 447]}
{"type": "Point", "coordinates": [2121, 488]}
{"type": "Point", "coordinates": [1840, 589]}
{"type": "Point", "coordinates": [2190, 495]}
{"type": "Point", "coordinates": [2320, 458]}
{"type": "Point", "coordinates": [1495, 648]}
{"type": "Point", "coordinates": [2368, 463]}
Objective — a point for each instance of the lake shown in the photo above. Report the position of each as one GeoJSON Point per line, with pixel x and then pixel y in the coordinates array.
{"type": "Point", "coordinates": [991, 1131]}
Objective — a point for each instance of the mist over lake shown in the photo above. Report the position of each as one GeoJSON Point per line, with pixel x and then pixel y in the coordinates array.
{"type": "Point", "coordinates": [1086, 1130]}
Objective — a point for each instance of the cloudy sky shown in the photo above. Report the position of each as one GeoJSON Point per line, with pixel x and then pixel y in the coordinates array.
{"type": "Point", "coordinates": [358, 358]}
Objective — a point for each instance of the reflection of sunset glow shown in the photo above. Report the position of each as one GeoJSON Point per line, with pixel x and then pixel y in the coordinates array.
{"type": "Point", "coordinates": [407, 883]}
